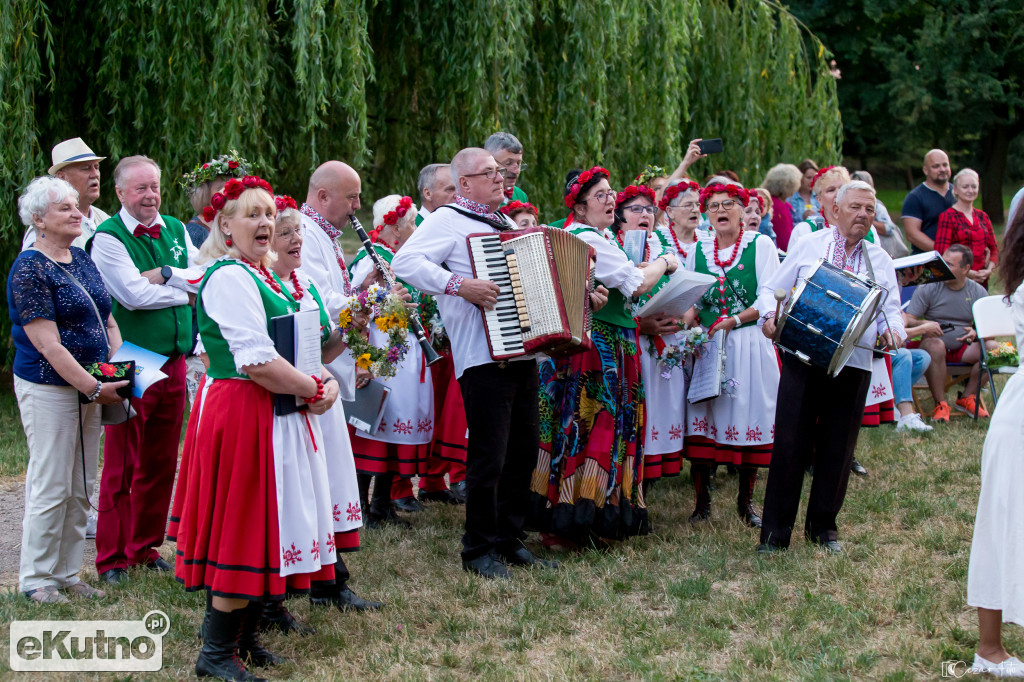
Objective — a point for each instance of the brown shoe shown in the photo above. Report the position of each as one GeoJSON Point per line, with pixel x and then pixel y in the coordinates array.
{"type": "Point", "coordinates": [81, 589]}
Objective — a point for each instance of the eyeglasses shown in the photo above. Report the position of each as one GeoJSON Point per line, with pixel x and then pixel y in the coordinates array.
{"type": "Point", "coordinates": [289, 231]}
{"type": "Point", "coordinates": [717, 206]}
{"type": "Point", "coordinates": [642, 209]}
{"type": "Point", "coordinates": [603, 196]}
{"type": "Point", "coordinates": [489, 173]}
{"type": "Point", "coordinates": [688, 206]}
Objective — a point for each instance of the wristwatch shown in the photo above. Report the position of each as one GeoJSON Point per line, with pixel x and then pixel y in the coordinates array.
{"type": "Point", "coordinates": [166, 273]}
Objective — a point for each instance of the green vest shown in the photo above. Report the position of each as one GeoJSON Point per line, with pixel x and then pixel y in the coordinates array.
{"type": "Point", "coordinates": [743, 281]}
{"type": "Point", "coordinates": [419, 219]}
{"type": "Point", "coordinates": [164, 330]}
{"type": "Point", "coordinates": [817, 223]}
{"type": "Point", "coordinates": [222, 362]}
{"type": "Point", "coordinates": [617, 311]}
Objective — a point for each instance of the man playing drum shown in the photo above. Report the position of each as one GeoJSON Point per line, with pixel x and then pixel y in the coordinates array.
{"type": "Point", "coordinates": [817, 412]}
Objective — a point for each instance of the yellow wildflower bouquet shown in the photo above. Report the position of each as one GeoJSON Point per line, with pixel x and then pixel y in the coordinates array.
{"type": "Point", "coordinates": [386, 312]}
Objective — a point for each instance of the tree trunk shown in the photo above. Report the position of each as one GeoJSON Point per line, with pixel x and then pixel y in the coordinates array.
{"type": "Point", "coordinates": [995, 144]}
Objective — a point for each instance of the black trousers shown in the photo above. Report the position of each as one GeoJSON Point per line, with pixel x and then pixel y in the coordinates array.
{"type": "Point", "coordinates": [815, 414]}
{"type": "Point", "coordinates": [501, 402]}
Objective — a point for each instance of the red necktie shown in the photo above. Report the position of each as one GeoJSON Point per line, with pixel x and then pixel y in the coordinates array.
{"type": "Point", "coordinates": [153, 231]}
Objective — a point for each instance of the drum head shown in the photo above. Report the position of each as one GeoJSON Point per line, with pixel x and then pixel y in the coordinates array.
{"type": "Point", "coordinates": [788, 309]}
{"type": "Point", "coordinates": [864, 318]}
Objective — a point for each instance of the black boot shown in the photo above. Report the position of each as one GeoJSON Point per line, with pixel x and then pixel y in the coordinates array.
{"type": "Point", "coordinates": [219, 657]}
{"type": "Point", "coordinates": [701, 475]}
{"type": "Point", "coordinates": [382, 512]}
{"type": "Point", "coordinates": [209, 606]}
{"type": "Point", "coordinates": [276, 616]}
{"type": "Point", "coordinates": [249, 647]}
{"type": "Point", "coordinates": [745, 498]}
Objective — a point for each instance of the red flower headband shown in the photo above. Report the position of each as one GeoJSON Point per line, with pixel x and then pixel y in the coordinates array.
{"type": "Point", "coordinates": [514, 207]}
{"type": "Point", "coordinates": [821, 172]}
{"type": "Point", "coordinates": [392, 217]}
{"type": "Point", "coordinates": [719, 188]}
{"type": "Point", "coordinates": [572, 190]}
{"type": "Point", "coordinates": [632, 192]}
{"type": "Point", "coordinates": [284, 201]}
{"type": "Point", "coordinates": [233, 189]}
{"type": "Point", "coordinates": [675, 190]}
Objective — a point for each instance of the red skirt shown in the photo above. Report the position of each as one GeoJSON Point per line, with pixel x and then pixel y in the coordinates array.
{"type": "Point", "coordinates": [225, 503]}
{"type": "Point", "coordinates": [704, 450]}
{"type": "Point", "coordinates": [449, 413]}
{"type": "Point", "coordinates": [883, 412]}
{"type": "Point", "coordinates": [662, 466]}
{"type": "Point", "coordinates": [375, 457]}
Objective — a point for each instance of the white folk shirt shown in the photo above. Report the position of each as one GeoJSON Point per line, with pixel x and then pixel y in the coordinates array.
{"type": "Point", "coordinates": [123, 279]}
{"type": "Point", "coordinates": [822, 244]}
{"type": "Point", "coordinates": [89, 224]}
{"type": "Point", "coordinates": [441, 238]}
{"type": "Point", "coordinates": [321, 263]}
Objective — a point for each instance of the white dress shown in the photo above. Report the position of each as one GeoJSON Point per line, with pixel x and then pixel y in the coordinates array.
{"type": "Point", "coordinates": [746, 416]}
{"type": "Point", "coordinates": [341, 467]}
{"type": "Point", "coordinates": [995, 575]}
{"type": "Point", "coordinates": [665, 398]}
{"type": "Point", "coordinates": [409, 412]}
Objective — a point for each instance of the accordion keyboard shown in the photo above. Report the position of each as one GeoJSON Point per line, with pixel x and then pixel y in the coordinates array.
{"type": "Point", "coordinates": [508, 320]}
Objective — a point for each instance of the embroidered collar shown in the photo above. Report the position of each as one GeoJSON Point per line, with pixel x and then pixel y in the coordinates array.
{"type": "Point", "coordinates": [839, 257]}
{"type": "Point", "coordinates": [477, 207]}
{"type": "Point", "coordinates": [332, 232]}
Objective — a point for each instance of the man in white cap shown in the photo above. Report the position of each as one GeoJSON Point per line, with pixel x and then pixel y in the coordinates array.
{"type": "Point", "coordinates": [75, 162]}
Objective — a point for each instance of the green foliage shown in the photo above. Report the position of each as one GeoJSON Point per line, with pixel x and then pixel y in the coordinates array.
{"type": "Point", "coordinates": [392, 85]}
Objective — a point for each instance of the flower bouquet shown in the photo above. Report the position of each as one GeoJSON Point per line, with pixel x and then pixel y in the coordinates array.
{"type": "Point", "coordinates": [388, 314]}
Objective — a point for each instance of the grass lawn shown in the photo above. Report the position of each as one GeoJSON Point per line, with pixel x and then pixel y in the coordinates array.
{"type": "Point", "coordinates": [683, 603]}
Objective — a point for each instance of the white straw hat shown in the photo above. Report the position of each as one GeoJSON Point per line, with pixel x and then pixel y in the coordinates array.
{"type": "Point", "coordinates": [71, 151]}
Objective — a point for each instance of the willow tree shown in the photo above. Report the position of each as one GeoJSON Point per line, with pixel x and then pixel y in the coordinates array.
{"type": "Point", "coordinates": [391, 85]}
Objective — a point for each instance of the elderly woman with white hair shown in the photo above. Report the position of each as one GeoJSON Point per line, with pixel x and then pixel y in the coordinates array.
{"type": "Point", "coordinates": [60, 323]}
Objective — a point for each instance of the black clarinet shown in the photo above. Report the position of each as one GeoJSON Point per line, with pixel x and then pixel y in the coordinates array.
{"type": "Point", "coordinates": [429, 354]}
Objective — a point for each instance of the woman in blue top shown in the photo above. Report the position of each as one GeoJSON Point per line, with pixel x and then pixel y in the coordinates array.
{"type": "Point", "coordinates": [56, 330]}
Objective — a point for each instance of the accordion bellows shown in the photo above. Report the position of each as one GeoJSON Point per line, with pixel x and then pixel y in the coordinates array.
{"type": "Point", "coordinates": [545, 277]}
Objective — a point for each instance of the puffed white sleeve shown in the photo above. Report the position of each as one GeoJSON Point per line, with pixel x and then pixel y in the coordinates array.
{"type": "Point", "coordinates": [766, 258]}
{"type": "Point", "coordinates": [361, 268]}
{"type": "Point", "coordinates": [613, 269]}
{"type": "Point", "coordinates": [232, 299]}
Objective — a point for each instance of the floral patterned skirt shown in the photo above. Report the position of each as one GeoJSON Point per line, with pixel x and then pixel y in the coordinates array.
{"type": "Point", "coordinates": [590, 461]}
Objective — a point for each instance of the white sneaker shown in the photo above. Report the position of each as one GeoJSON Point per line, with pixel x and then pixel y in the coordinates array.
{"type": "Point", "coordinates": [912, 422]}
{"type": "Point", "coordinates": [1011, 667]}
{"type": "Point", "coordinates": [90, 526]}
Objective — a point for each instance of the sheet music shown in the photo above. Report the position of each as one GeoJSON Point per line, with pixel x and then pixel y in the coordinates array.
{"type": "Point", "coordinates": [307, 344]}
{"type": "Point", "coordinates": [708, 371]}
{"type": "Point", "coordinates": [634, 243]}
{"type": "Point", "coordinates": [682, 290]}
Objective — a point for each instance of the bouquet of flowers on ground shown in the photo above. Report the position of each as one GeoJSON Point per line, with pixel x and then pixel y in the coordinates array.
{"type": "Point", "coordinates": [388, 314]}
{"type": "Point", "coordinates": [1003, 356]}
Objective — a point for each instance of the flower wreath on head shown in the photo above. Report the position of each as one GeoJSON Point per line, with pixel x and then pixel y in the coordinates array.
{"type": "Point", "coordinates": [391, 218]}
{"type": "Point", "coordinates": [388, 313]}
{"type": "Point", "coordinates": [649, 173]}
{"type": "Point", "coordinates": [718, 188]}
{"type": "Point", "coordinates": [573, 187]}
{"type": "Point", "coordinates": [233, 189]}
{"type": "Point", "coordinates": [230, 165]}
{"type": "Point", "coordinates": [675, 190]}
{"type": "Point", "coordinates": [283, 201]}
{"type": "Point", "coordinates": [511, 208]}
{"type": "Point", "coordinates": [817, 175]}
{"type": "Point", "coordinates": [760, 200]}
{"type": "Point", "coordinates": [632, 192]}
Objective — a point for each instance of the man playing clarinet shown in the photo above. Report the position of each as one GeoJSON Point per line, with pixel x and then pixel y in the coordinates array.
{"type": "Point", "coordinates": [500, 397]}
{"type": "Point", "coordinates": [816, 412]}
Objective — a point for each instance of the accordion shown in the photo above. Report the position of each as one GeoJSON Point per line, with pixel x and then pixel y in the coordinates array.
{"type": "Point", "coordinates": [545, 277]}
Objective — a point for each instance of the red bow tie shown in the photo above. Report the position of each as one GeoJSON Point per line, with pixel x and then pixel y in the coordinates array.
{"type": "Point", "coordinates": [153, 231]}
{"type": "Point", "coordinates": [509, 192]}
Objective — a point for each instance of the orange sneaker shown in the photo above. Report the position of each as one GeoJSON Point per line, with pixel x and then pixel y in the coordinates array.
{"type": "Point", "coordinates": [941, 412]}
{"type": "Point", "coordinates": [966, 404]}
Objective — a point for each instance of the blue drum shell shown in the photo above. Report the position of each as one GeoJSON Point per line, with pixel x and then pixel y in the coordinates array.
{"type": "Point", "coordinates": [816, 308]}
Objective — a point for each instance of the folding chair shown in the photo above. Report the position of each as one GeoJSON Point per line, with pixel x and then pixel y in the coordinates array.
{"type": "Point", "coordinates": [993, 316]}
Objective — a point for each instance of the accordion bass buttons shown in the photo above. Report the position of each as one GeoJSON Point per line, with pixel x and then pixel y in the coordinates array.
{"type": "Point", "coordinates": [517, 290]}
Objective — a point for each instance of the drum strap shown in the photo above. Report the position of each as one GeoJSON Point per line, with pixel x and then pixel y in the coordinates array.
{"type": "Point", "coordinates": [867, 259]}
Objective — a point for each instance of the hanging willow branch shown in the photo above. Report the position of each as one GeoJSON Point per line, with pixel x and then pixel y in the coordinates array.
{"type": "Point", "coordinates": [391, 85]}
